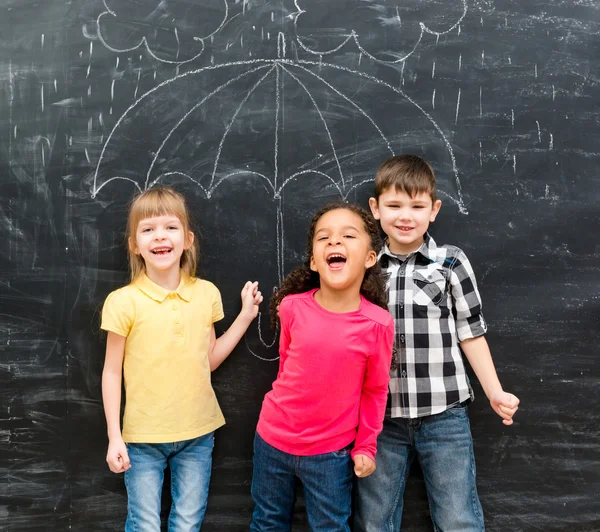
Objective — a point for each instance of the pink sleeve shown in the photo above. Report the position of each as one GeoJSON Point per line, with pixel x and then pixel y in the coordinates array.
{"type": "Point", "coordinates": [374, 393]}
{"type": "Point", "coordinates": [284, 334]}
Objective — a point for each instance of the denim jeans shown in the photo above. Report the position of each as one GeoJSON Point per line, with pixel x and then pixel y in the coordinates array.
{"type": "Point", "coordinates": [327, 483]}
{"type": "Point", "coordinates": [444, 447]}
{"type": "Point", "coordinates": [190, 463]}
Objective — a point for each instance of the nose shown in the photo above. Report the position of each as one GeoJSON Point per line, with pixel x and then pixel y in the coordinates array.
{"type": "Point", "coordinates": [335, 240]}
{"type": "Point", "coordinates": [159, 234]}
{"type": "Point", "coordinates": [404, 214]}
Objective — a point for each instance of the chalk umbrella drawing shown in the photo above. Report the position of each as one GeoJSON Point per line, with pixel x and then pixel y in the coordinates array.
{"type": "Point", "coordinates": [295, 126]}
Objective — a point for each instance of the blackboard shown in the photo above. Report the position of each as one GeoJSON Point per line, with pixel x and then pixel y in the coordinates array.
{"type": "Point", "coordinates": [259, 112]}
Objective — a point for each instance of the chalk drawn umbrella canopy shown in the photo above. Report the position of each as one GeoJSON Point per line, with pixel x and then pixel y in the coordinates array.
{"type": "Point", "coordinates": [277, 120]}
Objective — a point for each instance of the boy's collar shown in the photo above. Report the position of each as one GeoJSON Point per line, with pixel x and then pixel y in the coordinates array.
{"type": "Point", "coordinates": [158, 293]}
{"type": "Point", "coordinates": [428, 249]}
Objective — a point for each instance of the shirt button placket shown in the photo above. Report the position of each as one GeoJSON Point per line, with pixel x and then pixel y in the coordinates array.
{"type": "Point", "coordinates": [175, 308]}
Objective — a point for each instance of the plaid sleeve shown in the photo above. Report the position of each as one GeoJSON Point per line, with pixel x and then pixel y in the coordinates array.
{"type": "Point", "coordinates": [466, 299]}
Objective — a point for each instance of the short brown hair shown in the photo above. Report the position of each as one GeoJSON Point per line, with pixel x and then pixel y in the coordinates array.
{"type": "Point", "coordinates": [159, 201]}
{"type": "Point", "coordinates": [406, 173]}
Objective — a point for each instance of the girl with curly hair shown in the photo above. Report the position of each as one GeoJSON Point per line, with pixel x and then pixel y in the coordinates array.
{"type": "Point", "coordinates": [322, 417]}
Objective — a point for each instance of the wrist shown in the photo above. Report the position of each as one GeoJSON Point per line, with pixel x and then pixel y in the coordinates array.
{"type": "Point", "coordinates": [494, 392]}
{"type": "Point", "coordinates": [246, 317]}
{"type": "Point", "coordinates": [114, 435]}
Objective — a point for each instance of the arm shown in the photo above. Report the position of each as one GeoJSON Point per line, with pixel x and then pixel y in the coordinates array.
{"type": "Point", "coordinates": [478, 354]}
{"type": "Point", "coordinates": [220, 348]}
{"type": "Point", "coordinates": [372, 404]}
{"type": "Point", "coordinates": [117, 457]}
{"type": "Point", "coordinates": [471, 327]}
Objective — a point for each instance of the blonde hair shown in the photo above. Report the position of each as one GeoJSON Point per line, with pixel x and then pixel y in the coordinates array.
{"type": "Point", "coordinates": [159, 201]}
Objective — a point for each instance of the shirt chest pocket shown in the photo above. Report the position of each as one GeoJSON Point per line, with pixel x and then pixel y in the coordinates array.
{"type": "Point", "coordinates": [429, 286]}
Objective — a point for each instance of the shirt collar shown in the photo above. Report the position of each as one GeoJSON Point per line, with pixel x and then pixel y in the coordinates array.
{"type": "Point", "coordinates": [158, 293]}
{"type": "Point", "coordinates": [428, 249]}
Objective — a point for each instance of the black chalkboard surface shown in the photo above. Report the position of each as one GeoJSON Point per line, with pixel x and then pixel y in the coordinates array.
{"type": "Point", "coordinates": [259, 112]}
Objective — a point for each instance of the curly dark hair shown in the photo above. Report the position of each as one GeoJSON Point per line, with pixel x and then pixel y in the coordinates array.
{"type": "Point", "coordinates": [303, 279]}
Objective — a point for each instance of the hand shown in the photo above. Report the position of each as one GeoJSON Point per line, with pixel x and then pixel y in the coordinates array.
{"type": "Point", "coordinates": [505, 405]}
{"type": "Point", "coordinates": [363, 465]}
{"type": "Point", "coordinates": [117, 456]}
{"type": "Point", "coordinates": [251, 299]}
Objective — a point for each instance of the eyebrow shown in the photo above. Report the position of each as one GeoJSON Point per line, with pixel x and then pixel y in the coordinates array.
{"type": "Point", "coordinates": [345, 228]}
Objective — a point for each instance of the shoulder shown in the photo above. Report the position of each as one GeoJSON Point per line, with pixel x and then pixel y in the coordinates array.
{"type": "Point", "coordinates": [296, 302]}
{"type": "Point", "coordinates": [291, 298]}
{"type": "Point", "coordinates": [451, 258]}
{"type": "Point", "coordinates": [447, 254]}
{"type": "Point", "coordinates": [376, 314]}
{"type": "Point", "coordinates": [203, 286]}
{"type": "Point", "coordinates": [121, 295]}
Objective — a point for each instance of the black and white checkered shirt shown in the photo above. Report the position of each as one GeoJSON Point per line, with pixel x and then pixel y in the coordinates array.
{"type": "Point", "coordinates": [435, 303]}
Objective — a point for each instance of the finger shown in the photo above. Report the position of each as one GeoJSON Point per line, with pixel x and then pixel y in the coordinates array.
{"type": "Point", "coordinates": [359, 466]}
{"type": "Point", "coordinates": [114, 466]}
{"type": "Point", "coordinates": [507, 421]}
{"type": "Point", "coordinates": [511, 401]}
{"type": "Point", "coordinates": [126, 461]}
{"type": "Point", "coordinates": [502, 414]}
{"type": "Point", "coordinates": [509, 410]}
{"type": "Point", "coordinates": [369, 471]}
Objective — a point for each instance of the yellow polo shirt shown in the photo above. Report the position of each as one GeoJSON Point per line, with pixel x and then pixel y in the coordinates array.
{"type": "Point", "coordinates": [169, 396]}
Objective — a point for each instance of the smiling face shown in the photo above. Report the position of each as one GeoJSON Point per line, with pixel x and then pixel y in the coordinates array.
{"type": "Point", "coordinates": [341, 251]}
{"type": "Point", "coordinates": [160, 241]}
{"type": "Point", "coordinates": [404, 219]}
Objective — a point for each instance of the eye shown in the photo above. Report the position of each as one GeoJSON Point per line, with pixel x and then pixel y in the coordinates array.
{"type": "Point", "coordinates": [349, 236]}
{"type": "Point", "coordinates": [321, 238]}
{"type": "Point", "coordinates": [146, 230]}
{"type": "Point", "coordinates": [173, 227]}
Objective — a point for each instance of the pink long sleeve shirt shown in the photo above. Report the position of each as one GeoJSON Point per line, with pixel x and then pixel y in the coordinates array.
{"type": "Point", "coordinates": [332, 384]}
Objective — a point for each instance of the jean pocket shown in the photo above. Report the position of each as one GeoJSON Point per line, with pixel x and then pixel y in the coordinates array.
{"type": "Point", "coordinates": [458, 410]}
{"type": "Point", "coordinates": [341, 453]}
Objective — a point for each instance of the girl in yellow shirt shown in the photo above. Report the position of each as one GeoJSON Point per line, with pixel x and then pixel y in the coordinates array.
{"type": "Point", "coordinates": [161, 339]}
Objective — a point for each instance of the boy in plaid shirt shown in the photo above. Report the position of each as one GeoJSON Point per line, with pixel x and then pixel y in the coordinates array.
{"type": "Point", "coordinates": [434, 299]}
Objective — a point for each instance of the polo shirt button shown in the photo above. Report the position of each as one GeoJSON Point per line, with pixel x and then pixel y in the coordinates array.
{"type": "Point", "coordinates": [174, 307]}
{"type": "Point", "coordinates": [404, 374]}
{"type": "Point", "coordinates": [177, 320]}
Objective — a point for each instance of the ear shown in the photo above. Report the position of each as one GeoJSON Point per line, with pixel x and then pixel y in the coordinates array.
{"type": "Point", "coordinates": [435, 209]}
{"type": "Point", "coordinates": [374, 208]}
{"type": "Point", "coordinates": [371, 259]}
{"type": "Point", "coordinates": [313, 264]}
{"type": "Point", "coordinates": [132, 246]}
{"type": "Point", "coordinates": [189, 241]}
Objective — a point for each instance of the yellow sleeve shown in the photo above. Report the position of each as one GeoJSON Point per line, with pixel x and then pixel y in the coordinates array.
{"type": "Point", "coordinates": [118, 313]}
{"type": "Point", "coordinates": [217, 304]}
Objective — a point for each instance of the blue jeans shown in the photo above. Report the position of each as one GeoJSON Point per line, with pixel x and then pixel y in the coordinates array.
{"type": "Point", "coordinates": [444, 447]}
{"type": "Point", "coordinates": [190, 463]}
{"type": "Point", "coordinates": [327, 482]}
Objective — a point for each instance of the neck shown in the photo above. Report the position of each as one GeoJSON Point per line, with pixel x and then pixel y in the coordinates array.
{"type": "Point", "coordinates": [338, 300]}
{"type": "Point", "coordinates": [167, 279]}
{"type": "Point", "coordinates": [397, 249]}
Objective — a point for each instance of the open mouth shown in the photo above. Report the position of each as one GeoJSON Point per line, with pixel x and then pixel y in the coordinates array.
{"type": "Point", "coordinates": [336, 261]}
{"type": "Point", "coordinates": [405, 228]}
{"type": "Point", "coordinates": [161, 251]}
